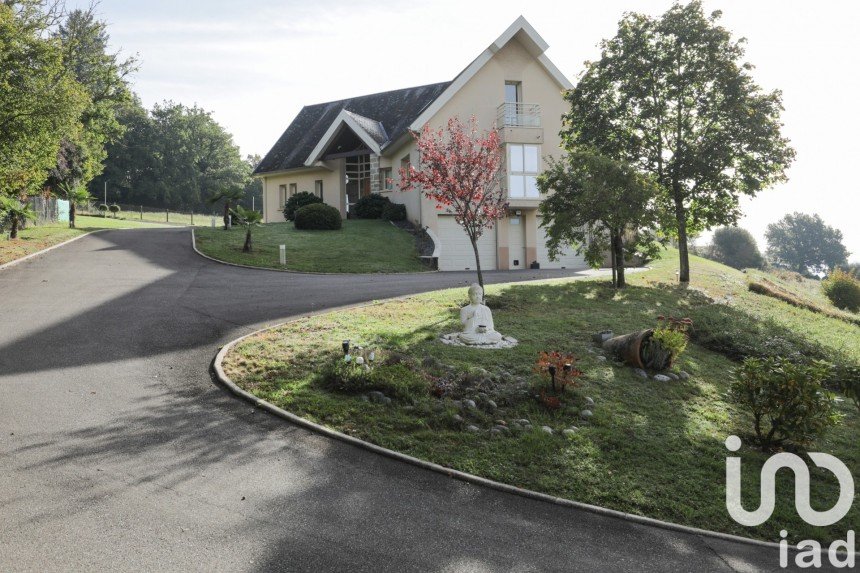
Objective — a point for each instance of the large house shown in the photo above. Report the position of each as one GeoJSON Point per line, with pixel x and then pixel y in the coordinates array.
{"type": "Point", "coordinates": [344, 150]}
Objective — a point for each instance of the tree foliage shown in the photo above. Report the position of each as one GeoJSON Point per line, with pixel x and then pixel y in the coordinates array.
{"type": "Point", "coordinates": [40, 101]}
{"type": "Point", "coordinates": [598, 204]}
{"type": "Point", "coordinates": [460, 169]}
{"type": "Point", "coordinates": [736, 248]}
{"type": "Point", "coordinates": [175, 156]}
{"type": "Point", "coordinates": [673, 96]}
{"type": "Point", "coordinates": [804, 243]}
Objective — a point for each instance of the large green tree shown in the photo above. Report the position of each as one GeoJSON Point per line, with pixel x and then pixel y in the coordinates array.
{"type": "Point", "coordinates": [40, 101]}
{"type": "Point", "coordinates": [673, 96]}
{"type": "Point", "coordinates": [598, 204]}
{"type": "Point", "coordinates": [806, 244]}
{"type": "Point", "coordinates": [175, 156]}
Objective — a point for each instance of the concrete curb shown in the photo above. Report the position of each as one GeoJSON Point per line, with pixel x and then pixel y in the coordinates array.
{"type": "Point", "coordinates": [217, 365]}
{"type": "Point", "coordinates": [213, 259]}
{"type": "Point", "coordinates": [51, 248]}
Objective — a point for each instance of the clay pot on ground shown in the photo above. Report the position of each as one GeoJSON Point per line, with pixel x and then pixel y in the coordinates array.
{"type": "Point", "coordinates": [638, 349]}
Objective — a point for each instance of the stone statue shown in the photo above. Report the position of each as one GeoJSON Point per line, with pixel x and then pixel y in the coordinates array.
{"type": "Point", "coordinates": [477, 320]}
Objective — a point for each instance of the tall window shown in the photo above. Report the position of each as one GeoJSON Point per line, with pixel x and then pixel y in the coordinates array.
{"type": "Point", "coordinates": [282, 195]}
{"type": "Point", "coordinates": [523, 165]}
{"type": "Point", "coordinates": [293, 188]}
{"type": "Point", "coordinates": [318, 188]}
{"type": "Point", "coordinates": [385, 179]}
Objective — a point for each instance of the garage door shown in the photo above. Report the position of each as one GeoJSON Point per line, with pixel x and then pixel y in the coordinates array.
{"type": "Point", "coordinates": [456, 252]}
{"type": "Point", "coordinates": [567, 259]}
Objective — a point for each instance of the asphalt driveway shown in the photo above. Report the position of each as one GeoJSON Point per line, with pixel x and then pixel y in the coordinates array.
{"type": "Point", "coordinates": [119, 452]}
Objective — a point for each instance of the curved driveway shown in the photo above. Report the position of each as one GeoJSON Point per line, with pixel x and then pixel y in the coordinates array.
{"type": "Point", "coordinates": [118, 452]}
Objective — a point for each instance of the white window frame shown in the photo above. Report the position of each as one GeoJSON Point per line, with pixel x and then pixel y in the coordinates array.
{"type": "Point", "coordinates": [282, 195]}
{"type": "Point", "coordinates": [385, 178]}
{"type": "Point", "coordinates": [318, 188]}
{"type": "Point", "coordinates": [294, 188]}
{"type": "Point", "coordinates": [522, 181]}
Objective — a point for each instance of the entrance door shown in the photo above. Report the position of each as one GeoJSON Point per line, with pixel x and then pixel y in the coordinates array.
{"type": "Point", "coordinates": [357, 179]}
{"type": "Point", "coordinates": [516, 242]}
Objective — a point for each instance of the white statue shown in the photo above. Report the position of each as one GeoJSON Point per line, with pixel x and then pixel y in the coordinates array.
{"type": "Point", "coordinates": [477, 320]}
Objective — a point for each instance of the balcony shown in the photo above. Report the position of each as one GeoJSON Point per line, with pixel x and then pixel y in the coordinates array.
{"type": "Point", "coordinates": [518, 115]}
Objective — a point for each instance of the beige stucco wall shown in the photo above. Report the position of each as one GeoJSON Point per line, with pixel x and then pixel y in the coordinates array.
{"type": "Point", "coordinates": [332, 193]}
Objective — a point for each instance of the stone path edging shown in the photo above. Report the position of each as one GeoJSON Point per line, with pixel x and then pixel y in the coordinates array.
{"type": "Point", "coordinates": [463, 476]}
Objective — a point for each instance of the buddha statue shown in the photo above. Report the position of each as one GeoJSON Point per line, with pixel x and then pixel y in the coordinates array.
{"type": "Point", "coordinates": [477, 320]}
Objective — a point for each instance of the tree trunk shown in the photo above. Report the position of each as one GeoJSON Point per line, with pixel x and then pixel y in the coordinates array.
{"type": "Point", "coordinates": [226, 215]}
{"type": "Point", "coordinates": [612, 257]}
{"type": "Point", "coordinates": [13, 233]}
{"type": "Point", "coordinates": [683, 255]}
{"type": "Point", "coordinates": [72, 212]}
{"type": "Point", "coordinates": [618, 244]}
{"type": "Point", "coordinates": [247, 247]}
{"type": "Point", "coordinates": [477, 261]}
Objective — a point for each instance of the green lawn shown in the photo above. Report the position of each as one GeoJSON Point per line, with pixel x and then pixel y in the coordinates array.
{"type": "Point", "coordinates": [35, 238]}
{"type": "Point", "coordinates": [651, 448]}
{"type": "Point", "coordinates": [361, 246]}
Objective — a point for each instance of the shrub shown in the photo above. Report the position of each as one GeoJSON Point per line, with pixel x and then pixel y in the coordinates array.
{"type": "Point", "coordinates": [736, 248]}
{"type": "Point", "coordinates": [666, 343]}
{"type": "Point", "coordinates": [298, 201]}
{"type": "Point", "coordinates": [396, 380]}
{"type": "Point", "coordinates": [394, 212]}
{"type": "Point", "coordinates": [103, 209]}
{"type": "Point", "coordinates": [787, 400]}
{"type": "Point", "coordinates": [318, 216]}
{"type": "Point", "coordinates": [370, 206]}
{"type": "Point", "coordinates": [115, 209]}
{"type": "Point", "coordinates": [843, 290]}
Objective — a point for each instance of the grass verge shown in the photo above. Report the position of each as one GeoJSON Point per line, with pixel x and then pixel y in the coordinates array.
{"type": "Point", "coordinates": [361, 246]}
{"type": "Point", "coordinates": [653, 449]}
{"type": "Point", "coordinates": [35, 238]}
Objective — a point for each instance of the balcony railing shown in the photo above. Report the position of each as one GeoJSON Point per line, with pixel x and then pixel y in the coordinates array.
{"type": "Point", "coordinates": [518, 115]}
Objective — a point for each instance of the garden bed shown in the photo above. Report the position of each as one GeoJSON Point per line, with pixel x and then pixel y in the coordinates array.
{"type": "Point", "coordinates": [653, 448]}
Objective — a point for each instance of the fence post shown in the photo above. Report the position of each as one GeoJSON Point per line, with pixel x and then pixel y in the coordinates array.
{"type": "Point", "coordinates": [167, 215]}
{"type": "Point", "coordinates": [192, 218]}
{"type": "Point", "coordinates": [141, 212]}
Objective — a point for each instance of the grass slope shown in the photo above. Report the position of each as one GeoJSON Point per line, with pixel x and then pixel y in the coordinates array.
{"type": "Point", "coordinates": [361, 246]}
{"type": "Point", "coordinates": [35, 238]}
{"type": "Point", "coordinates": [653, 449]}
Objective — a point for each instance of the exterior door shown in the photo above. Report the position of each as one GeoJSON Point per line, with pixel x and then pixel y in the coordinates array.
{"type": "Point", "coordinates": [456, 252]}
{"type": "Point", "coordinates": [516, 242]}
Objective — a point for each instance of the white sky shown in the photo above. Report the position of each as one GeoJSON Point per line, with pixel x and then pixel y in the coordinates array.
{"type": "Point", "coordinates": [254, 65]}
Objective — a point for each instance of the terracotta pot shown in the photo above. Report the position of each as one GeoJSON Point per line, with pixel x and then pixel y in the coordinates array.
{"type": "Point", "coordinates": [628, 347]}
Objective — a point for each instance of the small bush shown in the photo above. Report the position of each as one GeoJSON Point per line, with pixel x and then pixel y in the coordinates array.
{"type": "Point", "coordinates": [103, 209]}
{"type": "Point", "coordinates": [787, 400]}
{"type": "Point", "coordinates": [370, 206]}
{"type": "Point", "coordinates": [298, 201]}
{"type": "Point", "coordinates": [736, 248]}
{"type": "Point", "coordinates": [318, 216]}
{"type": "Point", "coordinates": [843, 290]}
{"type": "Point", "coordinates": [394, 212]}
{"type": "Point", "coordinates": [395, 381]}
{"type": "Point", "coordinates": [115, 209]}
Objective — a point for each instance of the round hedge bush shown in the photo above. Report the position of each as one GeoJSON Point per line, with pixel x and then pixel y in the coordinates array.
{"type": "Point", "coordinates": [319, 217]}
{"type": "Point", "coordinates": [394, 212]}
{"type": "Point", "coordinates": [370, 206]}
{"type": "Point", "coordinates": [298, 201]}
{"type": "Point", "coordinates": [843, 290]}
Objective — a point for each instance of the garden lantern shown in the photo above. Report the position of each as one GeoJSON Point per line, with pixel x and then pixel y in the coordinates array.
{"type": "Point", "coordinates": [345, 346]}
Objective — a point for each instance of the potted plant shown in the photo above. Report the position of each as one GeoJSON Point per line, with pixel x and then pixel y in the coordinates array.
{"type": "Point", "coordinates": [654, 348]}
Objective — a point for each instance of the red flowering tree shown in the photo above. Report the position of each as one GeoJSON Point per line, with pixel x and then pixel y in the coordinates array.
{"type": "Point", "coordinates": [461, 169]}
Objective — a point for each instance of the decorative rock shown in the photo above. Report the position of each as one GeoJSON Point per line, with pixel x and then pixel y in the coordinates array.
{"type": "Point", "coordinates": [473, 429]}
{"type": "Point", "coordinates": [469, 404]}
{"type": "Point", "coordinates": [386, 400]}
{"type": "Point", "coordinates": [495, 432]}
{"type": "Point", "coordinates": [640, 373]}
{"type": "Point", "coordinates": [528, 427]}
{"type": "Point", "coordinates": [483, 396]}
{"type": "Point", "coordinates": [662, 378]}
{"type": "Point", "coordinates": [546, 429]}
{"type": "Point", "coordinates": [601, 359]}
{"type": "Point", "coordinates": [672, 375]}
{"type": "Point", "coordinates": [569, 432]}
{"type": "Point", "coordinates": [683, 375]}
{"type": "Point", "coordinates": [377, 397]}
{"type": "Point", "coordinates": [501, 423]}
{"type": "Point", "coordinates": [490, 405]}
{"type": "Point", "coordinates": [501, 428]}
{"type": "Point", "coordinates": [457, 418]}
{"type": "Point", "coordinates": [589, 402]}
{"type": "Point", "coordinates": [586, 414]}
{"type": "Point", "coordinates": [524, 422]}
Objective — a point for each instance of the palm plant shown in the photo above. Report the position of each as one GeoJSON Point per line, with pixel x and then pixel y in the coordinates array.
{"type": "Point", "coordinates": [228, 196]}
{"type": "Point", "coordinates": [74, 194]}
{"type": "Point", "coordinates": [17, 212]}
{"type": "Point", "coordinates": [250, 219]}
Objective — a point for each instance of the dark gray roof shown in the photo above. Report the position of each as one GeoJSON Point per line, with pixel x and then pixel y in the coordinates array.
{"type": "Point", "coordinates": [386, 116]}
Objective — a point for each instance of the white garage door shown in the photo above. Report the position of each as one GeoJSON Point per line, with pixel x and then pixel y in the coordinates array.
{"type": "Point", "coordinates": [567, 259]}
{"type": "Point", "coordinates": [456, 252]}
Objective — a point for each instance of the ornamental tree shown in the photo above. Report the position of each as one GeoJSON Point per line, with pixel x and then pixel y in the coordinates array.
{"type": "Point", "coordinates": [806, 244]}
{"type": "Point", "coordinates": [674, 97]}
{"type": "Point", "coordinates": [460, 169]}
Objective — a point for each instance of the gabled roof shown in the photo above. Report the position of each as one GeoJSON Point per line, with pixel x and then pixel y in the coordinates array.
{"type": "Point", "coordinates": [382, 119]}
{"type": "Point", "coordinates": [383, 115]}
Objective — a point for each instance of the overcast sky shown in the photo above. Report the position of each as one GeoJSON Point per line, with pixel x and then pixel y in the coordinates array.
{"type": "Point", "coordinates": [254, 64]}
